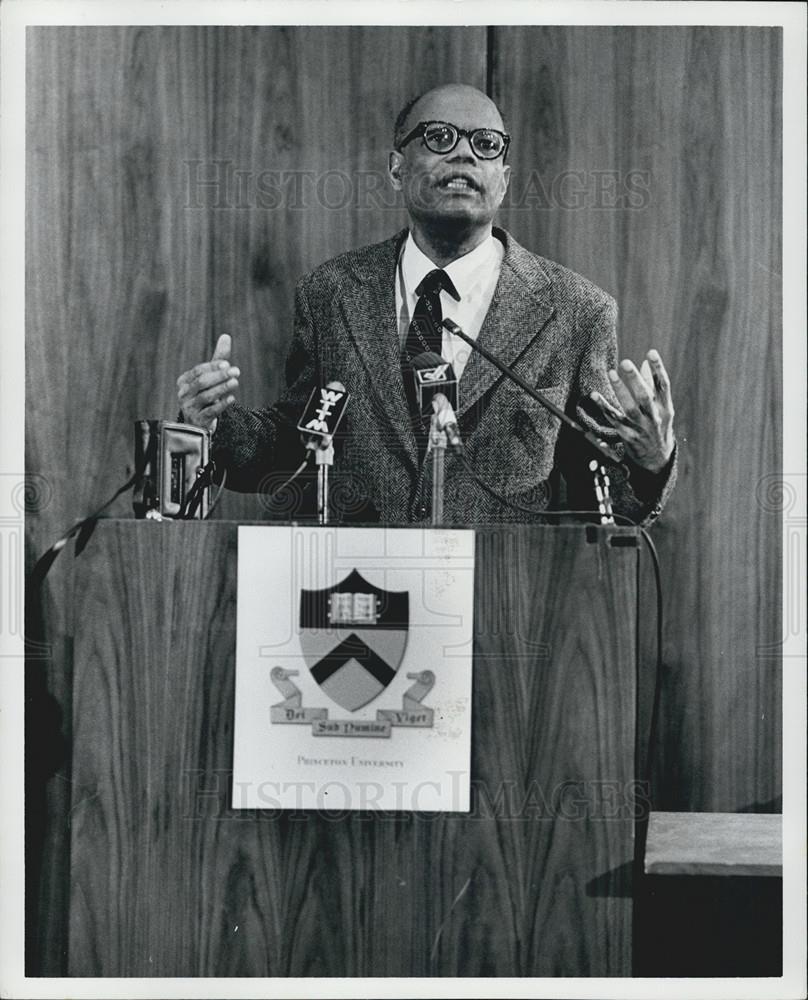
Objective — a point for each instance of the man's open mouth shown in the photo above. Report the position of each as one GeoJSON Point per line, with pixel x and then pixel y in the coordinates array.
{"type": "Point", "coordinates": [459, 182]}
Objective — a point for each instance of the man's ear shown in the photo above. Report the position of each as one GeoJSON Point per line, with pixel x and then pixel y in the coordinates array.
{"type": "Point", "coordinates": [506, 176]}
{"type": "Point", "coordinates": [504, 180]}
{"type": "Point", "coordinates": [395, 162]}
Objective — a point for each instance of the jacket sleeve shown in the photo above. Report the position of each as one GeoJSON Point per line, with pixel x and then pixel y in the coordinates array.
{"type": "Point", "coordinates": [636, 493]}
{"type": "Point", "coordinates": [260, 448]}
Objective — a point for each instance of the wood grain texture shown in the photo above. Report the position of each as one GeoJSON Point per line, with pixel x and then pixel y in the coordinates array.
{"type": "Point", "coordinates": [647, 159]}
{"type": "Point", "coordinates": [166, 879]}
{"type": "Point", "coordinates": [134, 267]}
{"type": "Point", "coordinates": [732, 844]}
{"type": "Point", "coordinates": [180, 181]}
{"type": "Point", "coordinates": [116, 282]}
{"type": "Point", "coordinates": [301, 130]}
{"type": "Point", "coordinates": [656, 158]}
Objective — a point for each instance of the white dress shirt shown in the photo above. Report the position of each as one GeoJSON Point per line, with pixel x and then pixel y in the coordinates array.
{"type": "Point", "coordinates": [475, 277]}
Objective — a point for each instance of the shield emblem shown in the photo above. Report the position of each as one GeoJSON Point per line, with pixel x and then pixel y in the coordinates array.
{"type": "Point", "coordinates": [353, 636]}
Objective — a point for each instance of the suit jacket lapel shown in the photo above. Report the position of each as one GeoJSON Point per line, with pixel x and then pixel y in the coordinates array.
{"type": "Point", "coordinates": [521, 307]}
{"type": "Point", "coordinates": [369, 306]}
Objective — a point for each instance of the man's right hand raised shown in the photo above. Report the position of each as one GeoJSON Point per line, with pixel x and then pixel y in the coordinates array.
{"type": "Point", "coordinates": [207, 390]}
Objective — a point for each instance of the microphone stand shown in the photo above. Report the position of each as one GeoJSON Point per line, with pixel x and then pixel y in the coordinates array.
{"type": "Point", "coordinates": [324, 459]}
{"type": "Point", "coordinates": [590, 438]}
{"type": "Point", "coordinates": [601, 479]}
{"type": "Point", "coordinates": [437, 446]}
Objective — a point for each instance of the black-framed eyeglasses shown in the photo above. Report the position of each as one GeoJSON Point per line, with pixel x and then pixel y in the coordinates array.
{"type": "Point", "coordinates": [442, 137]}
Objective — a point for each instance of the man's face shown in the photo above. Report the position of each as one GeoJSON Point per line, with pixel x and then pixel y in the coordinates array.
{"type": "Point", "coordinates": [454, 187]}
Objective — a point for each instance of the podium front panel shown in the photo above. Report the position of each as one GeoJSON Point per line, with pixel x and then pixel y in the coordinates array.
{"type": "Point", "coordinates": [536, 880]}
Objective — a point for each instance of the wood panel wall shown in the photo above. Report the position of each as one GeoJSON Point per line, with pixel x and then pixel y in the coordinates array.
{"type": "Point", "coordinates": [648, 159]}
{"type": "Point", "coordinates": [669, 140]}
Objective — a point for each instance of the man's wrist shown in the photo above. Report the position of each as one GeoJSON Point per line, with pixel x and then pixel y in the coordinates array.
{"type": "Point", "coordinates": [648, 482]}
{"type": "Point", "coordinates": [182, 419]}
{"type": "Point", "coordinates": [657, 468]}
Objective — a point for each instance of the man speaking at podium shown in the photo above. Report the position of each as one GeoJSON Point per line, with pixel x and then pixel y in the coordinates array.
{"type": "Point", "coordinates": [361, 317]}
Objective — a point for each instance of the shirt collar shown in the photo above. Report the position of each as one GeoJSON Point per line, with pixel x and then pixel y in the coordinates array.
{"type": "Point", "coordinates": [464, 271]}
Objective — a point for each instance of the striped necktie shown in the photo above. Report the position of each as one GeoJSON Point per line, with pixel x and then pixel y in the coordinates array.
{"type": "Point", "coordinates": [425, 334]}
{"type": "Point", "coordinates": [426, 326]}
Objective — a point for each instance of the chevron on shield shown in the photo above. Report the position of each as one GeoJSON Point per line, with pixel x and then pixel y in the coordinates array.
{"type": "Point", "coordinates": [353, 637]}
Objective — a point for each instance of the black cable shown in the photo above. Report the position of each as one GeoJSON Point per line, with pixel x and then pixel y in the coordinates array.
{"type": "Point", "coordinates": [190, 505]}
{"type": "Point", "coordinates": [193, 498]}
{"type": "Point", "coordinates": [288, 482]}
{"type": "Point", "coordinates": [218, 496]}
{"type": "Point", "coordinates": [532, 510]}
{"type": "Point", "coordinates": [654, 720]}
{"type": "Point", "coordinates": [655, 705]}
{"type": "Point", "coordinates": [83, 528]}
{"type": "Point", "coordinates": [644, 818]}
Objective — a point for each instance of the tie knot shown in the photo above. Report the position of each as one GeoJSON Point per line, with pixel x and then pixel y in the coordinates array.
{"type": "Point", "coordinates": [435, 282]}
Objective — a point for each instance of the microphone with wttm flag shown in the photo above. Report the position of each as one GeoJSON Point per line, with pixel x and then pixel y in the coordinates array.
{"type": "Point", "coordinates": [432, 374]}
{"type": "Point", "coordinates": [323, 413]}
{"type": "Point", "coordinates": [318, 424]}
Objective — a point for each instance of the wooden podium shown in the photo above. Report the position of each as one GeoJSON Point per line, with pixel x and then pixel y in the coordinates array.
{"type": "Point", "coordinates": [168, 880]}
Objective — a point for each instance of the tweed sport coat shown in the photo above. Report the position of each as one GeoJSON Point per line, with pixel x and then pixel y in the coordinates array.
{"type": "Point", "coordinates": [554, 327]}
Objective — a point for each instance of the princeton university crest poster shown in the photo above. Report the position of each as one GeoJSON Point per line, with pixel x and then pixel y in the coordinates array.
{"type": "Point", "coordinates": [353, 668]}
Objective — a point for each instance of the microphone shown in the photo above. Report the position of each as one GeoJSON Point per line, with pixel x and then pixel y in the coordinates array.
{"type": "Point", "coordinates": [318, 424]}
{"type": "Point", "coordinates": [324, 410]}
{"type": "Point", "coordinates": [433, 375]}
{"type": "Point", "coordinates": [508, 372]}
{"type": "Point", "coordinates": [445, 420]}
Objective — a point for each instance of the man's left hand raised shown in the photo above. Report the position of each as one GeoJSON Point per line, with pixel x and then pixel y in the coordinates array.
{"type": "Point", "coordinates": [645, 418]}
